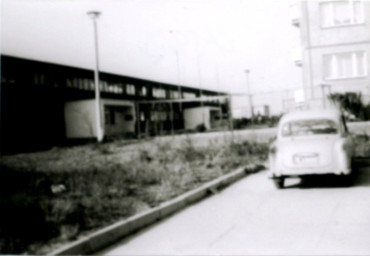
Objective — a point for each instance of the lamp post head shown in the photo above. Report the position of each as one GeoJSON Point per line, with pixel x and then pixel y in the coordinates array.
{"type": "Point", "coordinates": [93, 14]}
{"type": "Point", "coordinates": [247, 71]}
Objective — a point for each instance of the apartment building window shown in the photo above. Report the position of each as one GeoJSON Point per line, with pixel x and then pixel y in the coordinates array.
{"type": "Point", "coordinates": [159, 93]}
{"type": "Point", "coordinates": [88, 84]}
{"type": "Point", "coordinates": [189, 95]}
{"type": "Point", "coordinates": [39, 79]}
{"type": "Point", "coordinates": [345, 65]}
{"type": "Point", "coordinates": [143, 91]}
{"type": "Point", "coordinates": [130, 89]}
{"type": "Point", "coordinates": [174, 94]}
{"type": "Point", "coordinates": [341, 13]}
{"type": "Point", "coordinates": [115, 88]}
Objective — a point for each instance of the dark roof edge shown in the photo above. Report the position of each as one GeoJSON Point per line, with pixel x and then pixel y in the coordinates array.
{"type": "Point", "coordinates": [108, 73]}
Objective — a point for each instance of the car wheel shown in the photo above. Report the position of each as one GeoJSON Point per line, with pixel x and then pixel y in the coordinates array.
{"type": "Point", "coordinates": [279, 183]}
{"type": "Point", "coordinates": [347, 180]}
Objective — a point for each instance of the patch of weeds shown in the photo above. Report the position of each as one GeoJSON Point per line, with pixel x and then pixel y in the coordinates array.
{"type": "Point", "coordinates": [103, 148]}
{"type": "Point", "coordinates": [188, 152]}
{"type": "Point", "coordinates": [145, 156]}
{"type": "Point", "coordinates": [99, 189]}
{"type": "Point", "coordinates": [362, 145]}
{"type": "Point", "coordinates": [358, 145]}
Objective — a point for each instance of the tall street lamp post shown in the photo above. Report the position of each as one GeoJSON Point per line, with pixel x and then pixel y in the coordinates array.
{"type": "Point", "coordinates": [247, 71]}
{"type": "Point", "coordinates": [173, 33]}
{"type": "Point", "coordinates": [323, 93]}
{"type": "Point", "coordinates": [94, 15]}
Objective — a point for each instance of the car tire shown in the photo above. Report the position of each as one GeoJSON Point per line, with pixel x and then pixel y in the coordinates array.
{"type": "Point", "coordinates": [279, 183]}
{"type": "Point", "coordinates": [347, 180]}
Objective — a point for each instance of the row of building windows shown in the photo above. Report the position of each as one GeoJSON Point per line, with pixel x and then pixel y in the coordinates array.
{"type": "Point", "coordinates": [143, 91]}
{"type": "Point", "coordinates": [158, 116]}
{"type": "Point", "coordinates": [174, 94]}
{"type": "Point", "coordinates": [342, 13]}
{"type": "Point", "coordinates": [336, 13]}
{"type": "Point", "coordinates": [130, 89]}
{"type": "Point", "coordinates": [159, 93]}
{"type": "Point", "coordinates": [116, 88]}
{"type": "Point", "coordinates": [345, 65]}
{"type": "Point", "coordinates": [88, 84]}
{"type": "Point", "coordinates": [39, 79]}
{"type": "Point", "coordinates": [189, 95]}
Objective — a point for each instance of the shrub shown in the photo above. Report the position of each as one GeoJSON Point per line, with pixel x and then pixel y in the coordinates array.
{"type": "Point", "coordinates": [360, 145]}
{"type": "Point", "coordinates": [351, 103]}
{"type": "Point", "coordinates": [188, 152]}
{"type": "Point", "coordinates": [21, 212]}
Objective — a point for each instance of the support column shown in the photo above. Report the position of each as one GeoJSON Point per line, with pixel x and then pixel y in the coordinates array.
{"type": "Point", "coordinates": [171, 116]}
{"type": "Point", "coordinates": [138, 120]}
{"type": "Point", "coordinates": [231, 124]}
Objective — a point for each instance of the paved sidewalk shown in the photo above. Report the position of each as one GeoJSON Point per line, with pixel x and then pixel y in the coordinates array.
{"type": "Point", "coordinates": [253, 218]}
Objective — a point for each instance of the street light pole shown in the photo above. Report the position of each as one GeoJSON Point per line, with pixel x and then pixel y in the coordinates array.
{"type": "Point", "coordinates": [247, 71]}
{"type": "Point", "coordinates": [94, 15]}
{"type": "Point", "coordinates": [323, 93]}
{"type": "Point", "coordinates": [200, 79]}
{"type": "Point", "coordinates": [172, 32]}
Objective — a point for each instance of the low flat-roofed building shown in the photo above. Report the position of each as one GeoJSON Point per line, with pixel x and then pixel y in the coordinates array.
{"type": "Point", "coordinates": [45, 104]}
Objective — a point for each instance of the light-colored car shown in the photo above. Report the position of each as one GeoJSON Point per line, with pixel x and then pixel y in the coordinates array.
{"type": "Point", "coordinates": [310, 142]}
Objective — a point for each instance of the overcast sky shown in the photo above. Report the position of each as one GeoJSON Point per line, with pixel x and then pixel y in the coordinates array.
{"type": "Point", "coordinates": [212, 41]}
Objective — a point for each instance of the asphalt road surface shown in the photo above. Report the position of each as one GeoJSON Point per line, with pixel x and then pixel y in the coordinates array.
{"type": "Point", "coordinates": [317, 216]}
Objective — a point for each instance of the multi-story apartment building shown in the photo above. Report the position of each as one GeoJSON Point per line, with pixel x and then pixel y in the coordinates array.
{"type": "Point", "coordinates": [335, 47]}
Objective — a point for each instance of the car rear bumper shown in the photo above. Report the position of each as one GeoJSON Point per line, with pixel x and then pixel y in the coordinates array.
{"type": "Point", "coordinates": [286, 172]}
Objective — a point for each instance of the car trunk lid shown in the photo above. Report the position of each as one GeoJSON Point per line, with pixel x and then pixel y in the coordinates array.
{"type": "Point", "coordinates": [308, 152]}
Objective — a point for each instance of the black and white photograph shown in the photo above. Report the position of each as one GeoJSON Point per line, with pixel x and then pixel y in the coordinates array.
{"type": "Point", "coordinates": [185, 127]}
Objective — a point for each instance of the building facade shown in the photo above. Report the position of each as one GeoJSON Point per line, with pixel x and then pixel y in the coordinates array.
{"type": "Point", "coordinates": [335, 48]}
{"type": "Point", "coordinates": [45, 104]}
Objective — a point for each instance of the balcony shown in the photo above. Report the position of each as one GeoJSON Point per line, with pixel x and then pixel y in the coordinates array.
{"type": "Point", "coordinates": [295, 22]}
{"type": "Point", "coordinates": [294, 14]}
{"type": "Point", "coordinates": [296, 55]}
{"type": "Point", "coordinates": [298, 63]}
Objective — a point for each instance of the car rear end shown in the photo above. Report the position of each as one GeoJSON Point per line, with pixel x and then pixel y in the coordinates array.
{"type": "Point", "coordinates": [309, 144]}
{"type": "Point", "coordinates": [310, 155]}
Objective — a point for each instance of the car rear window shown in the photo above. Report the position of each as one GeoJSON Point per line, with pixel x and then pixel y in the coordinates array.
{"type": "Point", "coordinates": [308, 127]}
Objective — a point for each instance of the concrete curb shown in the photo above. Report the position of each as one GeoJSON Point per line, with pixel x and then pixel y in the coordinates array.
{"type": "Point", "coordinates": [108, 235]}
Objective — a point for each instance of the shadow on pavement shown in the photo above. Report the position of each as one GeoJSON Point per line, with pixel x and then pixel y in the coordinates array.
{"type": "Point", "coordinates": [360, 177]}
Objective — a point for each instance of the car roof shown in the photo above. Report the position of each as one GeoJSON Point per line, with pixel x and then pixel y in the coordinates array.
{"type": "Point", "coordinates": [332, 114]}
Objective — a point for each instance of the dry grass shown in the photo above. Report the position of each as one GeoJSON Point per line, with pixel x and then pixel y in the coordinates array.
{"type": "Point", "coordinates": [361, 145]}
{"type": "Point", "coordinates": [68, 191]}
